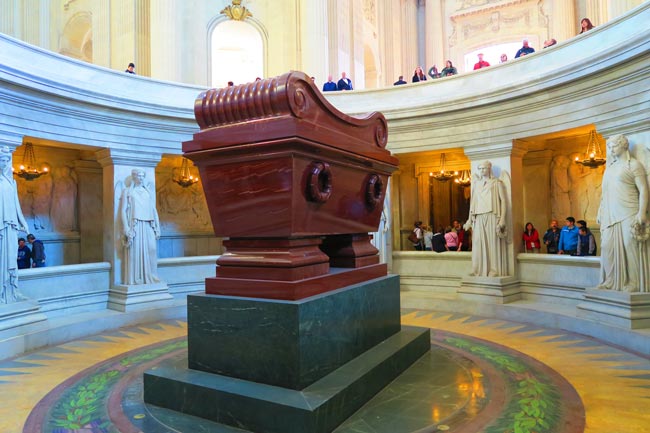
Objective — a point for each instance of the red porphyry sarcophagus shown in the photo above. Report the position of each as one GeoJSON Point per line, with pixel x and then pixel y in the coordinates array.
{"type": "Point", "coordinates": [294, 184]}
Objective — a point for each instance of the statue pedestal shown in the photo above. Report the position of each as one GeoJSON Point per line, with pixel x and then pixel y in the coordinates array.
{"type": "Point", "coordinates": [139, 297]}
{"type": "Point", "coordinates": [288, 366]}
{"type": "Point", "coordinates": [493, 290]}
{"type": "Point", "coordinates": [623, 309]}
{"type": "Point", "coordinates": [19, 318]}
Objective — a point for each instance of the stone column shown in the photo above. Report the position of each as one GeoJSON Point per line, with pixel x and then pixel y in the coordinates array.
{"type": "Point", "coordinates": [563, 24]}
{"type": "Point", "coordinates": [435, 34]}
{"type": "Point", "coordinates": [314, 20]}
{"type": "Point", "coordinates": [507, 164]}
{"type": "Point", "coordinates": [116, 168]}
{"type": "Point", "coordinates": [409, 38]}
{"type": "Point", "coordinates": [165, 64]}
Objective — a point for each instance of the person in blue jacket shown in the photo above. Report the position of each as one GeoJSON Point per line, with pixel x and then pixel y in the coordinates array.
{"type": "Point", "coordinates": [526, 49]}
{"type": "Point", "coordinates": [24, 255]}
{"type": "Point", "coordinates": [568, 237]}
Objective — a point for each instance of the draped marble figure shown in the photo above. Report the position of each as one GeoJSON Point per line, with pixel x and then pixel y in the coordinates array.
{"type": "Point", "coordinates": [623, 220]}
{"type": "Point", "coordinates": [141, 229]}
{"type": "Point", "coordinates": [488, 220]}
{"type": "Point", "coordinates": [13, 221]}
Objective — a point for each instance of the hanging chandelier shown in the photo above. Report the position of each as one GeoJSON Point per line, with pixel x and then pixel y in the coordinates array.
{"type": "Point", "coordinates": [593, 156]}
{"type": "Point", "coordinates": [442, 175]}
{"type": "Point", "coordinates": [465, 178]}
{"type": "Point", "coordinates": [185, 178]}
{"type": "Point", "coordinates": [27, 170]}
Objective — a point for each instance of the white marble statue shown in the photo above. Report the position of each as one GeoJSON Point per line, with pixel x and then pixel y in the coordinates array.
{"type": "Point", "coordinates": [488, 219]}
{"type": "Point", "coordinates": [623, 219]}
{"type": "Point", "coordinates": [13, 221]}
{"type": "Point", "coordinates": [141, 229]}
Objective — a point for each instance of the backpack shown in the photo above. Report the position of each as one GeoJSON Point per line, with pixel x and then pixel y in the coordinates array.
{"type": "Point", "coordinates": [414, 238]}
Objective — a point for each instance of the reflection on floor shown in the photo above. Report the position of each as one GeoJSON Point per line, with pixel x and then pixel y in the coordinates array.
{"type": "Point", "coordinates": [481, 375]}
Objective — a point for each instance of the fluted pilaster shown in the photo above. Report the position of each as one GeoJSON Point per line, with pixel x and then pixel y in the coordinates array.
{"type": "Point", "coordinates": [31, 21]}
{"type": "Point", "coordinates": [164, 39]}
{"type": "Point", "coordinates": [143, 37]}
{"type": "Point", "coordinates": [409, 21]}
{"type": "Point", "coordinates": [8, 18]}
{"type": "Point", "coordinates": [616, 8]}
{"type": "Point", "coordinates": [597, 11]}
{"type": "Point", "coordinates": [102, 33]}
{"type": "Point", "coordinates": [564, 22]}
{"type": "Point", "coordinates": [333, 40]}
{"type": "Point", "coordinates": [435, 34]}
{"type": "Point", "coordinates": [389, 45]}
{"type": "Point", "coordinates": [357, 69]}
{"type": "Point", "coordinates": [122, 37]}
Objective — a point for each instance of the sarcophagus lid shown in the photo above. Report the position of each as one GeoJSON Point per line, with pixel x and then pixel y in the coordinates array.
{"type": "Point", "coordinates": [278, 160]}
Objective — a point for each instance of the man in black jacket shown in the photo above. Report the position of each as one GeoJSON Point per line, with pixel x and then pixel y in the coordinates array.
{"type": "Point", "coordinates": [344, 83]}
{"type": "Point", "coordinates": [38, 251]}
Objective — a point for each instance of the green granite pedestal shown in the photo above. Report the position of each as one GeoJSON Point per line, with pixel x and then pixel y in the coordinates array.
{"type": "Point", "coordinates": [288, 366]}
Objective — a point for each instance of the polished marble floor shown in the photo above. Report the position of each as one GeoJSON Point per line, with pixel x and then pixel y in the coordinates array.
{"type": "Point", "coordinates": [481, 375]}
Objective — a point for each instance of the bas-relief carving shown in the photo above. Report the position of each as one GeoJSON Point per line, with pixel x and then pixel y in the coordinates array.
{"type": "Point", "coordinates": [623, 219]}
{"type": "Point", "coordinates": [472, 20]}
{"type": "Point", "coordinates": [12, 221]}
{"type": "Point", "coordinates": [575, 189]}
{"type": "Point", "coordinates": [50, 202]}
{"type": "Point", "coordinates": [467, 4]}
{"type": "Point", "coordinates": [63, 213]}
{"type": "Point", "coordinates": [182, 209]}
{"type": "Point", "coordinates": [560, 202]}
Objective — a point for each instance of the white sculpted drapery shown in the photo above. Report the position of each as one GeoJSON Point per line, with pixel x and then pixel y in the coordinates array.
{"type": "Point", "coordinates": [624, 261]}
{"type": "Point", "coordinates": [488, 220]}
{"type": "Point", "coordinates": [141, 230]}
{"type": "Point", "coordinates": [12, 220]}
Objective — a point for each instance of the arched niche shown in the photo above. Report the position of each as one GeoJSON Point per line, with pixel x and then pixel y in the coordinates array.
{"type": "Point", "coordinates": [237, 53]}
{"type": "Point", "coordinates": [77, 38]}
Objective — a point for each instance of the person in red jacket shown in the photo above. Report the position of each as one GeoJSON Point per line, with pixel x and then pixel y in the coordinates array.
{"type": "Point", "coordinates": [481, 63]}
{"type": "Point", "coordinates": [531, 239]}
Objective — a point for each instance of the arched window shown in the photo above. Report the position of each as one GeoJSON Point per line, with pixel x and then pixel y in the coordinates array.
{"type": "Point", "coordinates": [237, 53]}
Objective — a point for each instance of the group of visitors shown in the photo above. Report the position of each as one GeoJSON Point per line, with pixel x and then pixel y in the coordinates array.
{"type": "Point", "coordinates": [573, 239]}
{"type": "Point", "coordinates": [344, 83]}
{"type": "Point", "coordinates": [450, 238]}
{"type": "Point", "coordinates": [33, 257]}
{"type": "Point", "coordinates": [419, 75]}
{"type": "Point", "coordinates": [449, 70]}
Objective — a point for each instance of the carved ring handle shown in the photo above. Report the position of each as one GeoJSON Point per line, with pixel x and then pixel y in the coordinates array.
{"type": "Point", "coordinates": [319, 182]}
{"type": "Point", "coordinates": [374, 191]}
